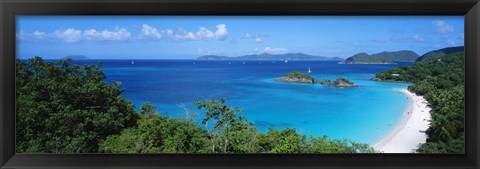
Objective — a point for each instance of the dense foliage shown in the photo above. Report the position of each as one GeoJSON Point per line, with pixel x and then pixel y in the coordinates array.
{"type": "Point", "coordinates": [343, 80]}
{"type": "Point", "coordinates": [158, 134]}
{"type": "Point", "coordinates": [222, 131]}
{"type": "Point", "coordinates": [299, 75]}
{"type": "Point", "coordinates": [441, 81]}
{"type": "Point", "coordinates": [440, 52]}
{"type": "Point", "coordinates": [63, 108]}
{"type": "Point", "coordinates": [383, 57]}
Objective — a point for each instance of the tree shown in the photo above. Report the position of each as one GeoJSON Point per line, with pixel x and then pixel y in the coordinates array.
{"type": "Point", "coordinates": [64, 108]}
{"type": "Point", "coordinates": [158, 134]}
{"type": "Point", "coordinates": [441, 81]}
{"type": "Point", "coordinates": [148, 109]}
{"type": "Point", "coordinates": [227, 132]}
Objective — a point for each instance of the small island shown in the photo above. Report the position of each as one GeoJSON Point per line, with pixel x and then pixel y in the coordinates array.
{"type": "Point", "coordinates": [299, 77]}
{"type": "Point", "coordinates": [340, 82]}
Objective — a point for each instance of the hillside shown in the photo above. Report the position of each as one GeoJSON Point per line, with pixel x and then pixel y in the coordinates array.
{"type": "Point", "coordinates": [382, 57]}
{"type": "Point", "coordinates": [440, 52]}
{"type": "Point", "coordinates": [441, 81]}
{"type": "Point", "coordinates": [267, 56]}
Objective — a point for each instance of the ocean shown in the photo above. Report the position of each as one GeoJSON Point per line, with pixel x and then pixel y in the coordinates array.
{"type": "Point", "coordinates": [363, 114]}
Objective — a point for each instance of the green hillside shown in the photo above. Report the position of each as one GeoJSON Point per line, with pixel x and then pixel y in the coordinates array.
{"type": "Point", "coordinates": [442, 83]}
{"type": "Point", "coordinates": [441, 52]}
{"type": "Point", "coordinates": [383, 57]}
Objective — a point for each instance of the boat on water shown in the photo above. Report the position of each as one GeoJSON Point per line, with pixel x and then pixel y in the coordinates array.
{"type": "Point", "coordinates": [309, 71]}
{"type": "Point", "coordinates": [133, 62]}
{"type": "Point", "coordinates": [286, 61]}
{"type": "Point", "coordinates": [243, 62]}
{"type": "Point", "coordinates": [229, 63]}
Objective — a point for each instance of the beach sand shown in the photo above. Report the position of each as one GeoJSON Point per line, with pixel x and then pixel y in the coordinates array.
{"type": "Point", "coordinates": [409, 132]}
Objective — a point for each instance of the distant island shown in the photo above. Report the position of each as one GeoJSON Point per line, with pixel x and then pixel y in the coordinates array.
{"type": "Point", "coordinates": [299, 77]}
{"type": "Point", "coordinates": [440, 52]}
{"type": "Point", "coordinates": [382, 58]}
{"type": "Point", "coordinates": [75, 57]}
{"type": "Point", "coordinates": [267, 56]}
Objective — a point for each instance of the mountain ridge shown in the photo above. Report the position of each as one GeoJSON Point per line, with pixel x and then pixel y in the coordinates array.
{"type": "Point", "coordinates": [384, 57]}
{"type": "Point", "coordinates": [440, 52]}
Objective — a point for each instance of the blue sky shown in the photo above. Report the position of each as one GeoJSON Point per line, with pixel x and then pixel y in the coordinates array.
{"type": "Point", "coordinates": [188, 37]}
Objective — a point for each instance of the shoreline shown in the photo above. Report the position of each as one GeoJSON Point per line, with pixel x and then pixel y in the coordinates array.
{"type": "Point", "coordinates": [409, 131]}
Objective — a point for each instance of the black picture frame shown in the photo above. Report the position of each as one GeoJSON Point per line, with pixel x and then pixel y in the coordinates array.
{"type": "Point", "coordinates": [11, 8]}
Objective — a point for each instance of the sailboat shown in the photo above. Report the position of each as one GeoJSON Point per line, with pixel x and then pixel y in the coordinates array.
{"type": "Point", "coordinates": [286, 61]}
{"type": "Point", "coordinates": [243, 62]}
{"type": "Point", "coordinates": [133, 62]}
{"type": "Point", "coordinates": [229, 63]}
{"type": "Point", "coordinates": [309, 71]}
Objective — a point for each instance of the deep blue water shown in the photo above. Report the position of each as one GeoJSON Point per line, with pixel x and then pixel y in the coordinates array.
{"type": "Point", "coordinates": [363, 114]}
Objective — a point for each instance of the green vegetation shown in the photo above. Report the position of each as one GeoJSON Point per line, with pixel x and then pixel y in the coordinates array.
{"type": "Point", "coordinates": [441, 81]}
{"type": "Point", "coordinates": [343, 80]}
{"type": "Point", "coordinates": [339, 82]}
{"type": "Point", "coordinates": [299, 75]}
{"type": "Point", "coordinates": [221, 131]}
{"type": "Point", "coordinates": [438, 53]}
{"type": "Point", "coordinates": [383, 57]}
{"type": "Point", "coordinates": [158, 134]}
{"type": "Point", "coordinates": [148, 109]}
{"type": "Point", "coordinates": [63, 108]}
{"type": "Point", "coordinates": [66, 109]}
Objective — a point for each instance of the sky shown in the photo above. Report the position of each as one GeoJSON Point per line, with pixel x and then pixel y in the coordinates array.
{"type": "Point", "coordinates": [189, 37]}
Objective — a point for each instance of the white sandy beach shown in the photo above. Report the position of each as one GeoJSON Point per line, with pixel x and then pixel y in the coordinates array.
{"type": "Point", "coordinates": [409, 132]}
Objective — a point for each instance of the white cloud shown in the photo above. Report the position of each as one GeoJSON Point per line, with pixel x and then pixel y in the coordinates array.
{"type": "Point", "coordinates": [150, 32]}
{"type": "Point", "coordinates": [274, 50]}
{"type": "Point", "coordinates": [35, 36]}
{"type": "Point", "coordinates": [119, 34]}
{"type": "Point", "coordinates": [442, 27]}
{"type": "Point", "coordinates": [181, 35]}
{"type": "Point", "coordinates": [221, 33]}
{"type": "Point", "coordinates": [72, 35]}
{"type": "Point", "coordinates": [69, 35]}
{"type": "Point", "coordinates": [39, 35]}
{"type": "Point", "coordinates": [204, 34]}
{"type": "Point", "coordinates": [256, 38]}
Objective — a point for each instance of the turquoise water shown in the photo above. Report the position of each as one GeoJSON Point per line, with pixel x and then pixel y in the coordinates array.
{"type": "Point", "coordinates": [363, 114]}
